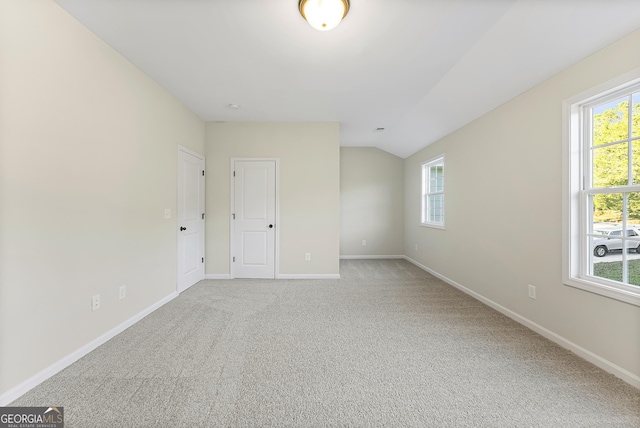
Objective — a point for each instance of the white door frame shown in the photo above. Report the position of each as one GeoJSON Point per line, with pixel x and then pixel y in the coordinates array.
{"type": "Point", "coordinates": [202, 195]}
{"type": "Point", "coordinates": [232, 204]}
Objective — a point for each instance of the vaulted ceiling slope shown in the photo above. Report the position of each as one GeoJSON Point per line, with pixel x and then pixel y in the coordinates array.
{"type": "Point", "coordinates": [418, 68]}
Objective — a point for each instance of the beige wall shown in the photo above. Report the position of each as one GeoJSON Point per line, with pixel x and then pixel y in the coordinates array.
{"type": "Point", "coordinates": [309, 191]}
{"type": "Point", "coordinates": [504, 213]}
{"type": "Point", "coordinates": [88, 158]}
{"type": "Point", "coordinates": [371, 202]}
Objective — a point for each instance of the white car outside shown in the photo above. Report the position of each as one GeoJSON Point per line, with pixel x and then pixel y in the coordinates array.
{"type": "Point", "coordinates": [612, 241]}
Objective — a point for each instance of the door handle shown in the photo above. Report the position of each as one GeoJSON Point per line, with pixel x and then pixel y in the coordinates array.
{"type": "Point", "coordinates": [270, 226]}
{"type": "Point", "coordinates": [182, 228]}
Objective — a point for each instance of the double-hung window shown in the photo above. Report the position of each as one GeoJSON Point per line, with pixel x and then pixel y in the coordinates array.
{"type": "Point", "coordinates": [433, 192]}
{"type": "Point", "coordinates": [602, 204]}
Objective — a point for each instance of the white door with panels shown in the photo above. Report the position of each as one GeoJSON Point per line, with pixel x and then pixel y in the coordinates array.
{"type": "Point", "coordinates": [190, 218]}
{"type": "Point", "coordinates": [254, 218]}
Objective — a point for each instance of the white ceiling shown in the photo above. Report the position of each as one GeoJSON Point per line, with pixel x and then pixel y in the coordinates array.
{"type": "Point", "coordinates": [418, 68]}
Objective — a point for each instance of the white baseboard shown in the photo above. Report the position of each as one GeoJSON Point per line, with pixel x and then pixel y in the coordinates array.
{"type": "Point", "coordinates": [217, 276]}
{"type": "Point", "coordinates": [364, 257]}
{"type": "Point", "coordinates": [283, 276]}
{"type": "Point", "coordinates": [308, 276]}
{"type": "Point", "coordinates": [22, 388]}
{"type": "Point", "coordinates": [597, 360]}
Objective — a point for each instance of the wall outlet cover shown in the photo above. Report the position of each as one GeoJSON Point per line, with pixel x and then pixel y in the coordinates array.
{"type": "Point", "coordinates": [95, 302]}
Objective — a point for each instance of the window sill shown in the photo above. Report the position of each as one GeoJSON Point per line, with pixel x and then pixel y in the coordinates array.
{"type": "Point", "coordinates": [433, 225]}
{"type": "Point", "coordinates": [613, 292]}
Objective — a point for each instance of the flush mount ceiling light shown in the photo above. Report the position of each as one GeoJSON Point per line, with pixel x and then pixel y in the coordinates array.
{"type": "Point", "coordinates": [323, 15]}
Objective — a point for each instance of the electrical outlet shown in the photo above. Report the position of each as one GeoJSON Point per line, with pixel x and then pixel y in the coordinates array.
{"type": "Point", "coordinates": [95, 302]}
{"type": "Point", "coordinates": [122, 292]}
{"type": "Point", "coordinates": [307, 257]}
{"type": "Point", "coordinates": [167, 213]}
{"type": "Point", "coordinates": [532, 291]}
{"type": "Point", "coordinates": [416, 247]}
{"type": "Point", "coordinates": [364, 242]}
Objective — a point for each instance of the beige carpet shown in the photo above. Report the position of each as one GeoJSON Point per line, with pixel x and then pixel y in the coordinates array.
{"type": "Point", "coordinates": [386, 345]}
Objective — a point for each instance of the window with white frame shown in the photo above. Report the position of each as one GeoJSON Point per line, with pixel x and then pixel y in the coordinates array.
{"type": "Point", "coordinates": [433, 192]}
{"type": "Point", "coordinates": [602, 204]}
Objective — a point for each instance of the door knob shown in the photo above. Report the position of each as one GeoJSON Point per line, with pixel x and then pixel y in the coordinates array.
{"type": "Point", "coordinates": [183, 228]}
{"type": "Point", "coordinates": [270, 226]}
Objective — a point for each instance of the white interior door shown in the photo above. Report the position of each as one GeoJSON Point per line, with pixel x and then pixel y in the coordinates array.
{"type": "Point", "coordinates": [190, 218]}
{"type": "Point", "coordinates": [254, 219]}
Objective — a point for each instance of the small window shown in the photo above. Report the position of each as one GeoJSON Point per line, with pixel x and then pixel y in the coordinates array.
{"type": "Point", "coordinates": [433, 192]}
{"type": "Point", "coordinates": [602, 203]}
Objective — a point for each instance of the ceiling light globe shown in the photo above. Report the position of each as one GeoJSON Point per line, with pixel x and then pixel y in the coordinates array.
{"type": "Point", "coordinates": [323, 15]}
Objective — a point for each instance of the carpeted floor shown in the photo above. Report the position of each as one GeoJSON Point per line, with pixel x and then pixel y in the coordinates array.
{"type": "Point", "coordinates": [386, 345]}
